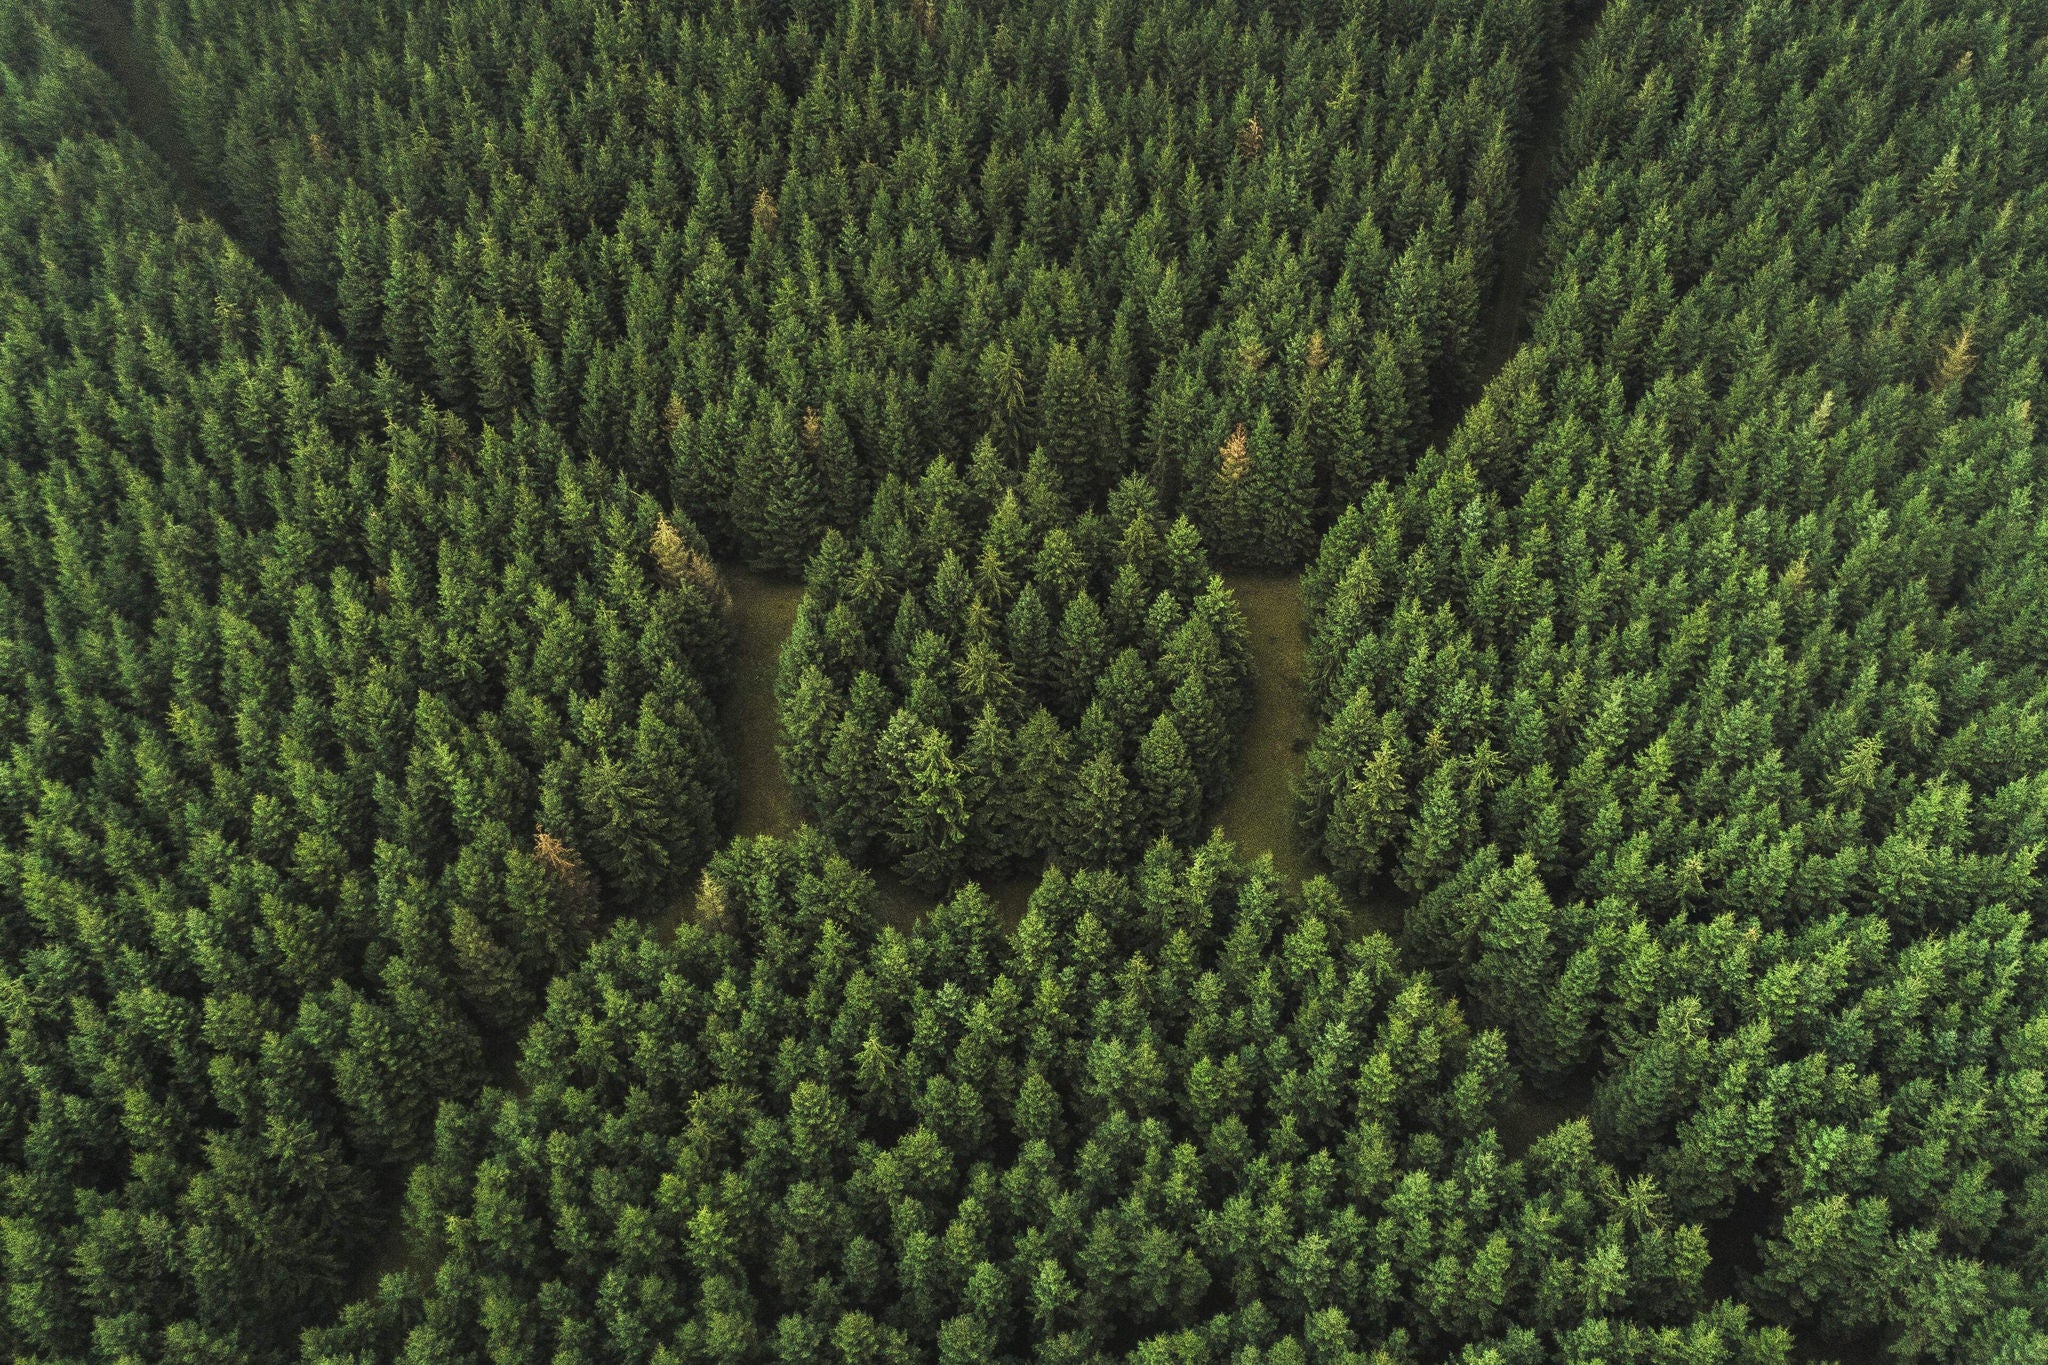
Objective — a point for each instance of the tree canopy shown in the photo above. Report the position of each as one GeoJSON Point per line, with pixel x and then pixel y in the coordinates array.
{"type": "Point", "coordinates": [1693, 692]}
{"type": "Point", "coordinates": [1646, 395]}
{"type": "Point", "coordinates": [1242, 249]}
{"type": "Point", "coordinates": [1175, 1116]}
{"type": "Point", "coordinates": [992, 680]}
{"type": "Point", "coordinates": [331, 728]}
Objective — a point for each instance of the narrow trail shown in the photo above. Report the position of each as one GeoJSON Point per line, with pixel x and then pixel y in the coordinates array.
{"type": "Point", "coordinates": [1502, 331]}
{"type": "Point", "coordinates": [1257, 813]}
{"type": "Point", "coordinates": [762, 613]}
{"type": "Point", "coordinates": [1504, 324]}
{"type": "Point", "coordinates": [1530, 1113]}
{"type": "Point", "coordinates": [152, 116]}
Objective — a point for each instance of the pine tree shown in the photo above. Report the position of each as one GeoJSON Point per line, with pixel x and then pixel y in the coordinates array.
{"type": "Point", "coordinates": [1083, 651]}
{"type": "Point", "coordinates": [1072, 419]}
{"type": "Point", "coordinates": [830, 444]}
{"type": "Point", "coordinates": [1011, 423]}
{"type": "Point", "coordinates": [1436, 836]}
{"type": "Point", "coordinates": [930, 823]}
{"type": "Point", "coordinates": [1041, 779]}
{"type": "Point", "coordinates": [361, 257]}
{"type": "Point", "coordinates": [852, 799]}
{"type": "Point", "coordinates": [808, 721]}
{"type": "Point", "coordinates": [408, 299]}
{"type": "Point", "coordinates": [776, 500]}
{"type": "Point", "coordinates": [1099, 825]}
{"type": "Point", "coordinates": [448, 347]}
{"type": "Point", "coordinates": [996, 837]}
{"type": "Point", "coordinates": [1367, 817]}
{"type": "Point", "coordinates": [1166, 780]}
{"type": "Point", "coordinates": [1029, 635]}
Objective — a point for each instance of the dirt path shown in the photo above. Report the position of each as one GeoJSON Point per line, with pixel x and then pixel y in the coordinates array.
{"type": "Point", "coordinates": [1505, 323]}
{"type": "Point", "coordinates": [763, 612]}
{"type": "Point", "coordinates": [1258, 812]}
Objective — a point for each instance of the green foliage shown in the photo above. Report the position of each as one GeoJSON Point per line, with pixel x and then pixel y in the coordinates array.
{"type": "Point", "coordinates": [1172, 1117]}
{"type": "Point", "coordinates": [329, 727]}
{"type": "Point", "coordinates": [689, 237]}
{"type": "Point", "coordinates": [1694, 689]}
{"type": "Point", "coordinates": [935, 717]}
{"type": "Point", "coordinates": [356, 659]}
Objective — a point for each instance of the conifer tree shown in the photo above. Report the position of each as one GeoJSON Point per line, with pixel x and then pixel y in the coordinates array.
{"type": "Point", "coordinates": [930, 824]}
{"type": "Point", "coordinates": [776, 495]}
{"type": "Point", "coordinates": [1166, 778]}
{"type": "Point", "coordinates": [1100, 822]}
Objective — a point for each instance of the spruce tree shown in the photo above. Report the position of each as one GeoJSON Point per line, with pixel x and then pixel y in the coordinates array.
{"type": "Point", "coordinates": [1099, 823]}
{"type": "Point", "coordinates": [777, 503]}
{"type": "Point", "coordinates": [1167, 782]}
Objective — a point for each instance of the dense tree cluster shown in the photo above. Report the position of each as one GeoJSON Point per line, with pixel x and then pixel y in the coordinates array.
{"type": "Point", "coordinates": [1695, 687]}
{"type": "Point", "coordinates": [327, 728]}
{"type": "Point", "coordinates": [992, 679]}
{"type": "Point", "coordinates": [1747, 529]}
{"type": "Point", "coordinates": [1240, 247]}
{"type": "Point", "coordinates": [1174, 1117]}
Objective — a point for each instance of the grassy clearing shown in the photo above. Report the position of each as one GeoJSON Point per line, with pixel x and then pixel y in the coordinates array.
{"type": "Point", "coordinates": [1529, 1113]}
{"type": "Point", "coordinates": [762, 613]}
{"type": "Point", "coordinates": [763, 610]}
{"type": "Point", "coordinates": [1257, 813]}
{"type": "Point", "coordinates": [903, 905]}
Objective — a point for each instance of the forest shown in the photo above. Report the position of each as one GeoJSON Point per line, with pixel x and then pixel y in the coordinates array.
{"type": "Point", "coordinates": [406, 409]}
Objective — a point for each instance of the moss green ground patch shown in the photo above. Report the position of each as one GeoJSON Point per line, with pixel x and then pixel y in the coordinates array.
{"type": "Point", "coordinates": [1257, 813]}
{"type": "Point", "coordinates": [762, 613]}
{"type": "Point", "coordinates": [903, 905]}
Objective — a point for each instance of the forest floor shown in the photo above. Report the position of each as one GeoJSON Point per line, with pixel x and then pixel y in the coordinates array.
{"type": "Point", "coordinates": [1257, 814]}
{"type": "Point", "coordinates": [1505, 324]}
{"type": "Point", "coordinates": [763, 610]}
{"type": "Point", "coordinates": [151, 115]}
{"type": "Point", "coordinates": [153, 118]}
{"type": "Point", "coordinates": [1528, 1114]}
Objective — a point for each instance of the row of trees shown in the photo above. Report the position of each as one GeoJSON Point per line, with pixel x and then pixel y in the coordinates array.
{"type": "Point", "coordinates": [1174, 1117]}
{"type": "Point", "coordinates": [1694, 691]}
{"type": "Point", "coordinates": [1238, 248]}
{"type": "Point", "coordinates": [328, 727]}
{"type": "Point", "coordinates": [992, 679]}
